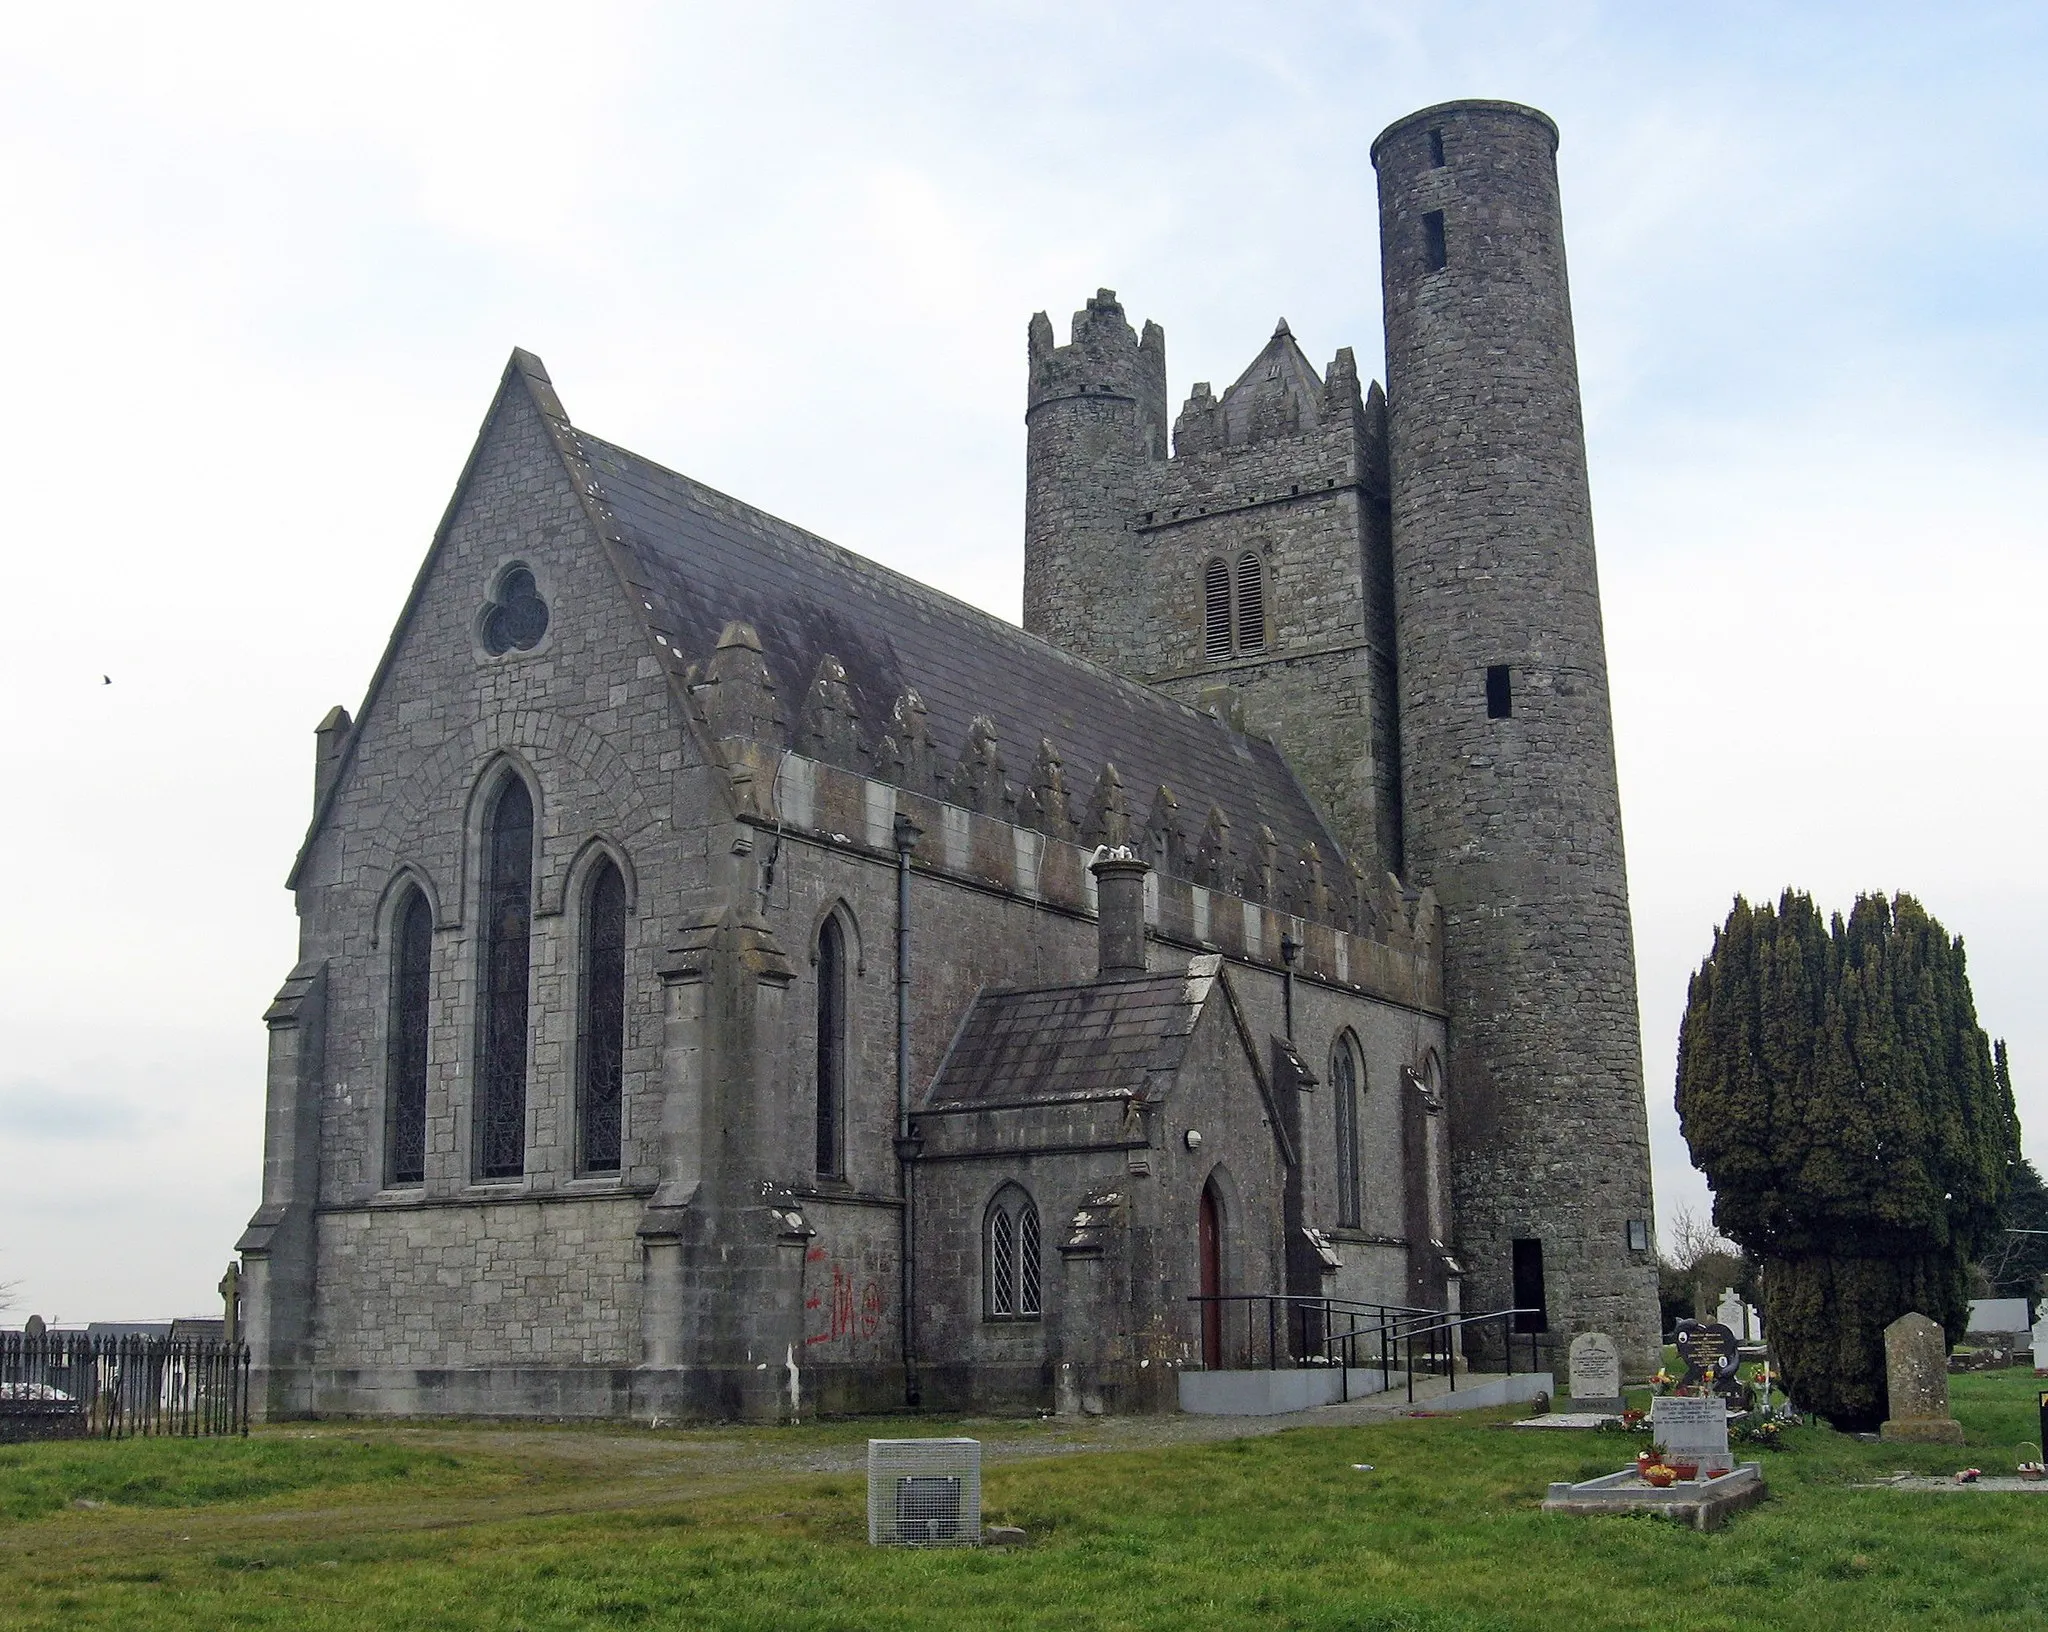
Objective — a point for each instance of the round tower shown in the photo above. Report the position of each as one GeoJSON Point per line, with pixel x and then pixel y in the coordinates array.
{"type": "Point", "coordinates": [1095, 420]}
{"type": "Point", "coordinates": [1510, 804]}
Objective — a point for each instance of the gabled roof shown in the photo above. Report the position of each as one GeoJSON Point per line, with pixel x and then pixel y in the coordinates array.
{"type": "Point", "coordinates": [1093, 1041]}
{"type": "Point", "coordinates": [1279, 393]}
{"type": "Point", "coordinates": [696, 560]}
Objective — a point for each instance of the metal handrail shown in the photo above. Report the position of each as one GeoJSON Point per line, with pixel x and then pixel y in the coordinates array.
{"type": "Point", "coordinates": [1396, 1330]}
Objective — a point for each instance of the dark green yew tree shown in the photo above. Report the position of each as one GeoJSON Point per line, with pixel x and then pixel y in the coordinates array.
{"type": "Point", "coordinates": [1839, 1095]}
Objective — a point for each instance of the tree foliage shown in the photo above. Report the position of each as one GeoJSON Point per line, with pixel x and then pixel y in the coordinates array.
{"type": "Point", "coordinates": [1836, 1089]}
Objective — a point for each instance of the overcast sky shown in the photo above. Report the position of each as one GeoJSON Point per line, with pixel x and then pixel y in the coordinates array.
{"type": "Point", "coordinates": [266, 267]}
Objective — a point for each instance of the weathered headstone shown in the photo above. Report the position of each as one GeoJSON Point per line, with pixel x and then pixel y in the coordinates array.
{"type": "Point", "coordinates": [1595, 1374]}
{"type": "Point", "coordinates": [2041, 1348]}
{"type": "Point", "coordinates": [1731, 1313]}
{"type": "Point", "coordinates": [33, 1326]}
{"type": "Point", "coordinates": [1916, 1383]}
{"type": "Point", "coordinates": [1692, 1428]}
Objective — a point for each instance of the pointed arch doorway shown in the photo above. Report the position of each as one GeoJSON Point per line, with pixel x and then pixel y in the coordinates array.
{"type": "Point", "coordinates": [1209, 1232]}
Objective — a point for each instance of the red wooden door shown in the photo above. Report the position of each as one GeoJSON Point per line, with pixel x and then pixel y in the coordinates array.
{"type": "Point", "coordinates": [1212, 1283]}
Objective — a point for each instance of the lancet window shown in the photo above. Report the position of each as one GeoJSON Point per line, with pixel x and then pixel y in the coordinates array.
{"type": "Point", "coordinates": [603, 1029]}
{"type": "Point", "coordinates": [500, 1137]}
{"type": "Point", "coordinates": [405, 1098]}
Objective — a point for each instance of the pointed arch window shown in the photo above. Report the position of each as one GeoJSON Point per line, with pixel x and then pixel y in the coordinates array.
{"type": "Point", "coordinates": [602, 1031]}
{"type": "Point", "coordinates": [405, 1099]}
{"type": "Point", "coordinates": [500, 1138]}
{"type": "Point", "coordinates": [1012, 1269]}
{"type": "Point", "coordinates": [1251, 602]}
{"type": "Point", "coordinates": [1344, 1078]}
{"type": "Point", "coordinates": [831, 1063]}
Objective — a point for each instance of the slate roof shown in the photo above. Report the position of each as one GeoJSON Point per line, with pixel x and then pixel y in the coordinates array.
{"type": "Point", "coordinates": [1071, 1042]}
{"type": "Point", "coordinates": [700, 559]}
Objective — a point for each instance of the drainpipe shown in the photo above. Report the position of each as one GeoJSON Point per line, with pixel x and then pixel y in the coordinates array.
{"type": "Point", "coordinates": [1290, 949]}
{"type": "Point", "coordinates": [907, 833]}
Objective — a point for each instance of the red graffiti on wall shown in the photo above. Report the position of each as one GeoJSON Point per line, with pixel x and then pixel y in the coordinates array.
{"type": "Point", "coordinates": [842, 1309]}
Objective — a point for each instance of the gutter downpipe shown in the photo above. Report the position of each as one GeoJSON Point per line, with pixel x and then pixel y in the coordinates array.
{"type": "Point", "coordinates": [906, 833]}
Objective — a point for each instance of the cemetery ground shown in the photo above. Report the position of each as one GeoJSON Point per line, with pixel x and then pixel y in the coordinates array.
{"type": "Point", "coordinates": [1158, 1524]}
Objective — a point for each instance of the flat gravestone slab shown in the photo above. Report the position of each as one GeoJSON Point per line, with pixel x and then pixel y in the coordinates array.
{"type": "Point", "coordinates": [1570, 1419]}
{"type": "Point", "coordinates": [1692, 1429]}
{"type": "Point", "coordinates": [1595, 1373]}
{"type": "Point", "coordinates": [1703, 1503]}
{"type": "Point", "coordinates": [1916, 1383]}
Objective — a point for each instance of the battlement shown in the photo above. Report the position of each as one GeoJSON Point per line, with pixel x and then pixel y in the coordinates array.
{"type": "Point", "coordinates": [1104, 357]}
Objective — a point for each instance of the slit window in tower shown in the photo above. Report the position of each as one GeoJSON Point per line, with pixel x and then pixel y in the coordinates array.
{"type": "Point", "coordinates": [1433, 241]}
{"type": "Point", "coordinates": [1436, 150]}
{"type": "Point", "coordinates": [1500, 692]}
{"type": "Point", "coordinates": [1531, 1312]}
{"type": "Point", "coordinates": [1215, 611]}
{"type": "Point", "coordinates": [1251, 603]}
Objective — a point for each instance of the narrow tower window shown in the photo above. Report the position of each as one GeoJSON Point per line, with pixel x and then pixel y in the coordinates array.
{"type": "Point", "coordinates": [1215, 611]}
{"type": "Point", "coordinates": [1500, 691]}
{"type": "Point", "coordinates": [1433, 241]}
{"type": "Point", "coordinates": [508, 947]}
{"type": "Point", "coordinates": [1010, 1266]}
{"type": "Point", "coordinates": [1251, 602]}
{"type": "Point", "coordinates": [1529, 1300]}
{"type": "Point", "coordinates": [1344, 1090]}
{"type": "Point", "coordinates": [1436, 150]}
{"type": "Point", "coordinates": [603, 1031]}
{"type": "Point", "coordinates": [831, 1107]}
{"type": "Point", "coordinates": [406, 1089]}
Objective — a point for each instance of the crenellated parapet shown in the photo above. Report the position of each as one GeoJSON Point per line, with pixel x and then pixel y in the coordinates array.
{"type": "Point", "coordinates": [1219, 885]}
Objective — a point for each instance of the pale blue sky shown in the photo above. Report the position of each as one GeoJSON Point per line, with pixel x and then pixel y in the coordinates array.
{"type": "Point", "coordinates": [265, 270]}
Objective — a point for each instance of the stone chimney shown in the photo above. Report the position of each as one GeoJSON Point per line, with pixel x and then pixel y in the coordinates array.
{"type": "Point", "coordinates": [1119, 911]}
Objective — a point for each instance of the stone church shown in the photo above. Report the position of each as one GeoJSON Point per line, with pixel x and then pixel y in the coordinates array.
{"type": "Point", "coordinates": [736, 980]}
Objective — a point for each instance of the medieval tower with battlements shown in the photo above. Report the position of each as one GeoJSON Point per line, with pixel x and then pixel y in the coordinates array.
{"type": "Point", "coordinates": [1399, 590]}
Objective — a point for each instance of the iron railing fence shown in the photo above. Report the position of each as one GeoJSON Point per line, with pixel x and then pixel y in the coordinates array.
{"type": "Point", "coordinates": [1284, 1330]}
{"type": "Point", "coordinates": [129, 1384]}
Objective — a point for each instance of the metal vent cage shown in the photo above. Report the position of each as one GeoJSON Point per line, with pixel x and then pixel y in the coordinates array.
{"type": "Point", "coordinates": [924, 1492]}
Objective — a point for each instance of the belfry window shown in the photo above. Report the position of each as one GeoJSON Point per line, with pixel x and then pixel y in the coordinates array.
{"type": "Point", "coordinates": [1251, 602]}
{"type": "Point", "coordinates": [1436, 150]}
{"type": "Point", "coordinates": [1344, 1091]}
{"type": "Point", "coordinates": [1011, 1265]}
{"type": "Point", "coordinates": [500, 1137]}
{"type": "Point", "coordinates": [1435, 254]}
{"type": "Point", "coordinates": [602, 1033]}
{"type": "Point", "coordinates": [1233, 607]}
{"type": "Point", "coordinates": [1216, 641]}
{"type": "Point", "coordinates": [405, 1094]}
{"type": "Point", "coordinates": [831, 1102]}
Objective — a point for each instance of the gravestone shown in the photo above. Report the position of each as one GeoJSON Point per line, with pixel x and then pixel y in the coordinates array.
{"type": "Point", "coordinates": [1731, 1313]}
{"type": "Point", "coordinates": [1692, 1428]}
{"type": "Point", "coordinates": [2041, 1348]}
{"type": "Point", "coordinates": [1595, 1374]}
{"type": "Point", "coordinates": [1916, 1383]}
{"type": "Point", "coordinates": [1711, 1355]}
{"type": "Point", "coordinates": [33, 1326]}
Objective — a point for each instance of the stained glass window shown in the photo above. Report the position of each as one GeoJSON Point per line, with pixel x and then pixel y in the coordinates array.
{"type": "Point", "coordinates": [412, 955]}
{"type": "Point", "coordinates": [507, 954]}
{"type": "Point", "coordinates": [603, 1030]}
{"type": "Point", "coordinates": [517, 617]}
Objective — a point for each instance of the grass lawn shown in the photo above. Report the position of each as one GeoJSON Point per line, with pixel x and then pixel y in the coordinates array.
{"type": "Point", "coordinates": [334, 1527]}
